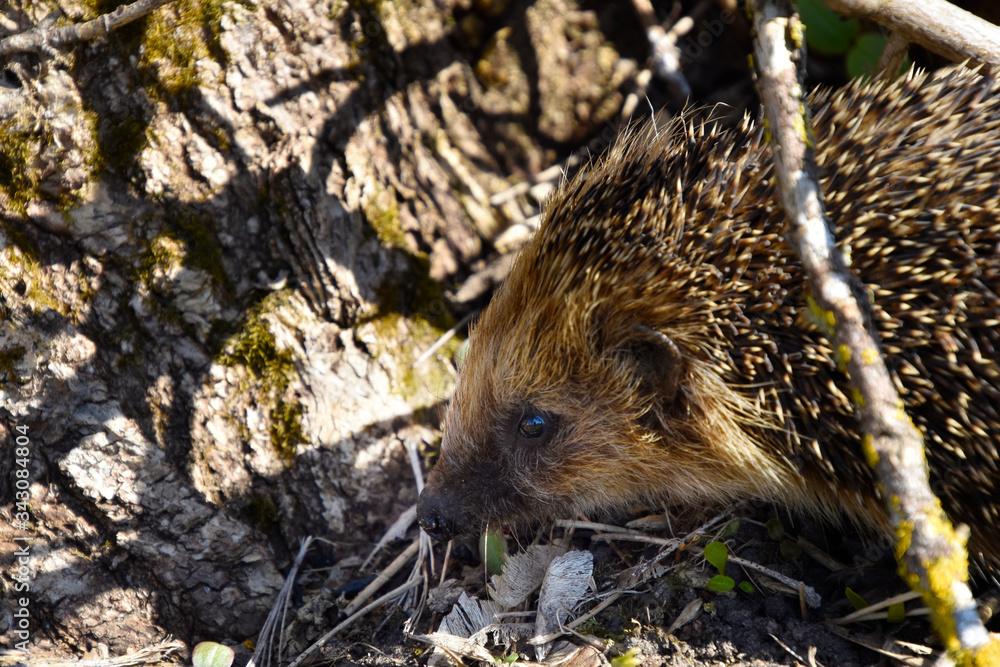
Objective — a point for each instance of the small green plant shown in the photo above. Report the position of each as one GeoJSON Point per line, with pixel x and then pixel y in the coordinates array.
{"type": "Point", "coordinates": [730, 529]}
{"type": "Point", "coordinates": [896, 613]}
{"type": "Point", "coordinates": [856, 600]}
{"type": "Point", "coordinates": [493, 551]}
{"type": "Point", "coordinates": [775, 529]}
{"type": "Point", "coordinates": [830, 34]}
{"type": "Point", "coordinates": [211, 654]}
{"type": "Point", "coordinates": [787, 547]}
{"type": "Point", "coordinates": [717, 554]}
{"type": "Point", "coordinates": [630, 658]}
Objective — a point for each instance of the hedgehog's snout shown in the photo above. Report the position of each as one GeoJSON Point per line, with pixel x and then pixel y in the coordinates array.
{"type": "Point", "coordinates": [436, 512]}
{"type": "Point", "coordinates": [460, 497]}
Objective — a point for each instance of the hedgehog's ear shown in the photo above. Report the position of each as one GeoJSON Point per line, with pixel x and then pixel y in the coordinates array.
{"type": "Point", "coordinates": [659, 363]}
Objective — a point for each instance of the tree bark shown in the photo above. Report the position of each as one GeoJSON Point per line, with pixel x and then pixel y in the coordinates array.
{"type": "Point", "coordinates": [225, 231]}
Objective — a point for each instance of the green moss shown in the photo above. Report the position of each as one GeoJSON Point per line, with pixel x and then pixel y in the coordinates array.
{"type": "Point", "coordinates": [9, 358]}
{"type": "Point", "coordinates": [187, 240]}
{"type": "Point", "coordinates": [175, 40]}
{"type": "Point", "coordinates": [119, 142]}
{"type": "Point", "coordinates": [414, 379]}
{"type": "Point", "coordinates": [197, 232]}
{"type": "Point", "coordinates": [412, 314]}
{"type": "Point", "coordinates": [263, 510]}
{"type": "Point", "coordinates": [16, 237]}
{"type": "Point", "coordinates": [372, 45]}
{"type": "Point", "coordinates": [41, 297]}
{"type": "Point", "coordinates": [167, 46]}
{"type": "Point", "coordinates": [594, 628]}
{"type": "Point", "coordinates": [415, 292]}
{"type": "Point", "coordinates": [25, 141]}
{"type": "Point", "coordinates": [255, 348]}
{"type": "Point", "coordinates": [382, 213]}
{"type": "Point", "coordinates": [18, 181]}
{"type": "Point", "coordinates": [37, 291]}
{"type": "Point", "coordinates": [286, 428]}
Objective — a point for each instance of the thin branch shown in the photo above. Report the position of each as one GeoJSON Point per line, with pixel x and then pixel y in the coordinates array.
{"type": "Point", "coordinates": [40, 39]}
{"type": "Point", "coordinates": [893, 55]}
{"type": "Point", "coordinates": [937, 25]}
{"type": "Point", "coordinates": [932, 556]}
{"type": "Point", "coordinates": [319, 643]}
{"type": "Point", "coordinates": [271, 634]}
{"type": "Point", "coordinates": [383, 577]}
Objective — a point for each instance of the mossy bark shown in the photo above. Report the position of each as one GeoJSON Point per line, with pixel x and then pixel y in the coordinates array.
{"type": "Point", "coordinates": [228, 231]}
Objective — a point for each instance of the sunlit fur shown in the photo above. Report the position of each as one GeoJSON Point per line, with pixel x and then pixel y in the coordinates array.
{"type": "Point", "coordinates": [681, 234]}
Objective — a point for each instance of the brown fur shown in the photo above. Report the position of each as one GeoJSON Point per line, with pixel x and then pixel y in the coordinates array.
{"type": "Point", "coordinates": [658, 321]}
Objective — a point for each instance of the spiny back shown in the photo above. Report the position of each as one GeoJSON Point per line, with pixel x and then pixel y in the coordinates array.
{"type": "Point", "coordinates": [676, 238]}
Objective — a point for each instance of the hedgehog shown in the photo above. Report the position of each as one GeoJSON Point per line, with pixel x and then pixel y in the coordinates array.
{"type": "Point", "coordinates": [653, 344]}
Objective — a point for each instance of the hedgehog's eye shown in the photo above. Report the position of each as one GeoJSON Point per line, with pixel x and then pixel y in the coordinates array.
{"type": "Point", "coordinates": [532, 426]}
{"type": "Point", "coordinates": [535, 428]}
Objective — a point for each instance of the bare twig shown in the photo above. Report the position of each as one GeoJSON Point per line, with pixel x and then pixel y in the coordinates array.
{"type": "Point", "coordinates": [813, 599]}
{"type": "Point", "coordinates": [443, 340]}
{"type": "Point", "coordinates": [271, 633]}
{"type": "Point", "coordinates": [351, 619]}
{"type": "Point", "coordinates": [384, 576]}
{"type": "Point", "coordinates": [663, 44]}
{"type": "Point", "coordinates": [865, 613]}
{"type": "Point", "coordinates": [932, 556]}
{"type": "Point", "coordinates": [935, 24]}
{"type": "Point", "coordinates": [893, 55]}
{"type": "Point", "coordinates": [611, 599]}
{"type": "Point", "coordinates": [41, 39]}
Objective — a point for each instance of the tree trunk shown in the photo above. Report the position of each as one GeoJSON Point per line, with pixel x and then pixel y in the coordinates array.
{"type": "Point", "coordinates": [228, 231]}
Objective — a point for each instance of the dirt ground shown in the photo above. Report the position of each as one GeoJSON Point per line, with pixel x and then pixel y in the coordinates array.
{"type": "Point", "coordinates": [766, 625]}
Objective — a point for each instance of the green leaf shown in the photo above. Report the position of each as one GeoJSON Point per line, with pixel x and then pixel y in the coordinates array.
{"type": "Point", "coordinates": [210, 654]}
{"type": "Point", "coordinates": [730, 529]}
{"type": "Point", "coordinates": [493, 551]}
{"type": "Point", "coordinates": [721, 583]}
{"type": "Point", "coordinates": [826, 31]}
{"type": "Point", "coordinates": [864, 55]}
{"type": "Point", "coordinates": [789, 550]}
{"type": "Point", "coordinates": [631, 658]}
{"type": "Point", "coordinates": [856, 600]}
{"type": "Point", "coordinates": [717, 554]}
{"type": "Point", "coordinates": [746, 587]}
{"type": "Point", "coordinates": [896, 613]}
{"type": "Point", "coordinates": [775, 529]}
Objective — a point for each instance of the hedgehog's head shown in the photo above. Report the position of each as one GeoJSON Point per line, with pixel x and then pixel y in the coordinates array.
{"type": "Point", "coordinates": [597, 377]}
{"type": "Point", "coordinates": [555, 404]}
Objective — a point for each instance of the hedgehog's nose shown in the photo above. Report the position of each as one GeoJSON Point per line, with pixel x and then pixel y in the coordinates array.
{"type": "Point", "coordinates": [433, 512]}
